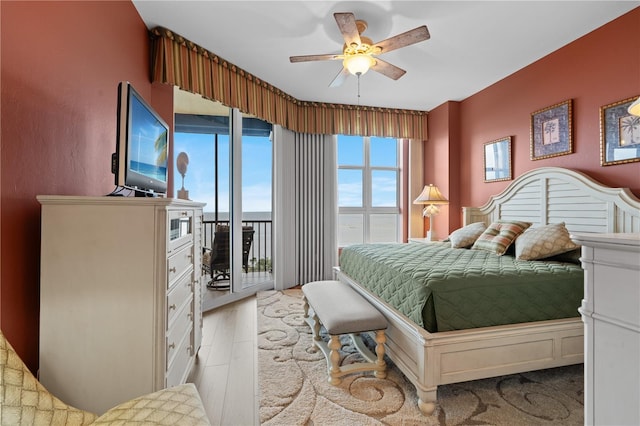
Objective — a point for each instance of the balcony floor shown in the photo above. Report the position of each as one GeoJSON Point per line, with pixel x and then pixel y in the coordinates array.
{"type": "Point", "coordinates": [249, 280]}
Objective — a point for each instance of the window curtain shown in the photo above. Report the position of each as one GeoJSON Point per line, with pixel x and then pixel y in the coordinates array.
{"type": "Point", "coordinates": [180, 62]}
{"type": "Point", "coordinates": [305, 207]}
{"type": "Point", "coordinates": [284, 247]}
{"type": "Point", "coordinates": [315, 206]}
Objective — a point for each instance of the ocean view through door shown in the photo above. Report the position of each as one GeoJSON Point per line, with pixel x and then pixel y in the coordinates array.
{"type": "Point", "coordinates": [232, 173]}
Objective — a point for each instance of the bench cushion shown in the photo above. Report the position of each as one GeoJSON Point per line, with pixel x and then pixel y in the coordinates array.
{"type": "Point", "coordinates": [341, 309]}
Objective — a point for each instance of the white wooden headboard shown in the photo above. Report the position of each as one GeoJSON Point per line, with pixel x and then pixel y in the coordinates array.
{"type": "Point", "coordinates": [552, 195]}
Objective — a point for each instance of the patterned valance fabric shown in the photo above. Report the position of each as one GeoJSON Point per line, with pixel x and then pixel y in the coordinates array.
{"type": "Point", "coordinates": [180, 62]}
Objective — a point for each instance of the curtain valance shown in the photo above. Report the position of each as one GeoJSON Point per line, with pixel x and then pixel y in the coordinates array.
{"type": "Point", "coordinates": [180, 62]}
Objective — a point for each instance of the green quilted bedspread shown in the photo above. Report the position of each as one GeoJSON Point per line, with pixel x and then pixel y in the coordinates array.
{"type": "Point", "coordinates": [442, 289]}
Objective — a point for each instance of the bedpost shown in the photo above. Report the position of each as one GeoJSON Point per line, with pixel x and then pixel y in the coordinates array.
{"type": "Point", "coordinates": [473, 214]}
{"type": "Point", "coordinates": [466, 216]}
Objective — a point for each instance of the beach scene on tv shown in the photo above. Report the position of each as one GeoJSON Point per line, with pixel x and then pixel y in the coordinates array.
{"type": "Point", "coordinates": [148, 143]}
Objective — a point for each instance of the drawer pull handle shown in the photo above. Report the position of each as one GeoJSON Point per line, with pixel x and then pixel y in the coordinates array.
{"type": "Point", "coordinates": [172, 269]}
{"type": "Point", "coordinates": [173, 306]}
{"type": "Point", "coordinates": [184, 213]}
{"type": "Point", "coordinates": [172, 346]}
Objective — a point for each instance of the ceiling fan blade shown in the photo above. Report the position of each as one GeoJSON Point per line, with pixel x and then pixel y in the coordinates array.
{"type": "Point", "coordinates": [387, 69]}
{"type": "Point", "coordinates": [405, 39]}
{"type": "Point", "coordinates": [348, 28]}
{"type": "Point", "coordinates": [340, 78]}
{"type": "Point", "coordinates": [308, 58]}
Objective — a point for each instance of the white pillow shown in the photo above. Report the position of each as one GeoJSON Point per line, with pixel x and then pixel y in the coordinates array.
{"type": "Point", "coordinates": [467, 235]}
{"type": "Point", "coordinates": [544, 241]}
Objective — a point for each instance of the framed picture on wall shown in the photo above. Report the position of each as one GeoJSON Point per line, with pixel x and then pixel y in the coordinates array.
{"type": "Point", "coordinates": [619, 134]}
{"type": "Point", "coordinates": [497, 160]}
{"type": "Point", "coordinates": [551, 133]}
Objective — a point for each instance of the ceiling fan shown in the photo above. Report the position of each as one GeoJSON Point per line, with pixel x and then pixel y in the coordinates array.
{"type": "Point", "coordinates": [359, 53]}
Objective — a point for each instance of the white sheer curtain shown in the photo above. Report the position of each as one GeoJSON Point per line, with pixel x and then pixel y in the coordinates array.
{"type": "Point", "coordinates": [305, 213]}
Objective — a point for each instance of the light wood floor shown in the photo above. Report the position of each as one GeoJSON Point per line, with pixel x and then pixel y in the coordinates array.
{"type": "Point", "coordinates": [226, 367]}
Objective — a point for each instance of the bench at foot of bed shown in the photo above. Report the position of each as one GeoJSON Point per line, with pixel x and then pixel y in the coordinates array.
{"type": "Point", "coordinates": [341, 310]}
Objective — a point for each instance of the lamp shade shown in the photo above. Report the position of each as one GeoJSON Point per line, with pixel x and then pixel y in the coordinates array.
{"type": "Point", "coordinates": [358, 64]}
{"type": "Point", "coordinates": [634, 108]}
{"type": "Point", "coordinates": [430, 195]}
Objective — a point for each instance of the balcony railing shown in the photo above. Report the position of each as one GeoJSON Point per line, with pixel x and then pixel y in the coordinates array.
{"type": "Point", "coordinates": [259, 259]}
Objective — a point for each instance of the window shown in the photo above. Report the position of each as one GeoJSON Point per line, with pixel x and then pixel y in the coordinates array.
{"type": "Point", "coordinates": [368, 190]}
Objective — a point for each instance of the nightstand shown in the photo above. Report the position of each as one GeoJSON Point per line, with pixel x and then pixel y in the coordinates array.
{"type": "Point", "coordinates": [423, 241]}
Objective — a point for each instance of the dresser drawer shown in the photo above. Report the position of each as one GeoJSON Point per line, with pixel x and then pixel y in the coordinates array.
{"type": "Point", "coordinates": [177, 369]}
{"type": "Point", "coordinates": [181, 228]}
{"type": "Point", "coordinates": [178, 329]}
{"type": "Point", "coordinates": [178, 296]}
{"type": "Point", "coordinates": [178, 264]}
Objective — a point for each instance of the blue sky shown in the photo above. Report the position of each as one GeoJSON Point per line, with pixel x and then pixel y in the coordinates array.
{"type": "Point", "coordinates": [382, 152]}
{"type": "Point", "coordinates": [199, 179]}
{"type": "Point", "coordinates": [257, 170]}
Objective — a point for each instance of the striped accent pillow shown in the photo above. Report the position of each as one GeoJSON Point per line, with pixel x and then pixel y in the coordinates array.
{"type": "Point", "coordinates": [499, 236]}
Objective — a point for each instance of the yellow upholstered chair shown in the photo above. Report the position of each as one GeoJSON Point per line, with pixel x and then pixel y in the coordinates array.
{"type": "Point", "coordinates": [24, 401]}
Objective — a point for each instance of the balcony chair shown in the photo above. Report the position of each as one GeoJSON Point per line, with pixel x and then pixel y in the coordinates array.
{"type": "Point", "coordinates": [25, 401]}
{"type": "Point", "coordinates": [219, 265]}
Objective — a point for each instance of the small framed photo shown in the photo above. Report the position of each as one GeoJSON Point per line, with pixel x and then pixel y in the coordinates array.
{"type": "Point", "coordinates": [551, 133]}
{"type": "Point", "coordinates": [619, 134]}
{"type": "Point", "coordinates": [497, 160]}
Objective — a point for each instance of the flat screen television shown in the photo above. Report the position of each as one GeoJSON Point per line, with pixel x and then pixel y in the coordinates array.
{"type": "Point", "coordinates": [140, 160]}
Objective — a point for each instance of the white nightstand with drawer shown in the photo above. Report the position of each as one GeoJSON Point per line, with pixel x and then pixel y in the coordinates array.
{"type": "Point", "coordinates": [423, 241]}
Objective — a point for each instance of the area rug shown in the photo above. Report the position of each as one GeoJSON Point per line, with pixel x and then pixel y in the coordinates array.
{"type": "Point", "coordinates": [294, 390]}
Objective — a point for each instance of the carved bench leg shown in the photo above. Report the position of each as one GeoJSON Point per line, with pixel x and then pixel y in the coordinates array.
{"type": "Point", "coordinates": [306, 306]}
{"type": "Point", "coordinates": [334, 355]}
{"type": "Point", "coordinates": [316, 328]}
{"type": "Point", "coordinates": [380, 341]}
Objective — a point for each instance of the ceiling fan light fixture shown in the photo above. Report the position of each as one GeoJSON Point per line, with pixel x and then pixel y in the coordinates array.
{"type": "Point", "coordinates": [358, 64]}
{"type": "Point", "coordinates": [359, 53]}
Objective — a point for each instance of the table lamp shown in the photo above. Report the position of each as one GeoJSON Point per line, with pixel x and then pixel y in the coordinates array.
{"type": "Point", "coordinates": [431, 196]}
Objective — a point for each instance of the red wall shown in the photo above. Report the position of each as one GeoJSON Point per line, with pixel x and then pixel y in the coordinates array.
{"type": "Point", "coordinates": [61, 64]}
{"type": "Point", "coordinates": [443, 145]}
{"type": "Point", "coordinates": [598, 69]}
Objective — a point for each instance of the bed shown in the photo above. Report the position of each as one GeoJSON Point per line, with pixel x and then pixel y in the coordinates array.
{"type": "Point", "coordinates": [433, 349]}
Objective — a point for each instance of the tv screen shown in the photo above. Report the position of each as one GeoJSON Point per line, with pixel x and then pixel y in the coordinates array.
{"type": "Point", "coordinates": [140, 161]}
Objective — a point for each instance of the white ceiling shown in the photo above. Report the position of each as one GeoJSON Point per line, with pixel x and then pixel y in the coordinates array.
{"type": "Point", "coordinates": [473, 44]}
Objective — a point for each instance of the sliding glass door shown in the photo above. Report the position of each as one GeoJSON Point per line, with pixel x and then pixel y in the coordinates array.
{"type": "Point", "coordinates": [225, 161]}
{"type": "Point", "coordinates": [256, 188]}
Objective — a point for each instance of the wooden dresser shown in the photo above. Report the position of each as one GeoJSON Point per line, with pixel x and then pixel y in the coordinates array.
{"type": "Point", "coordinates": [611, 315]}
{"type": "Point", "coordinates": [120, 296]}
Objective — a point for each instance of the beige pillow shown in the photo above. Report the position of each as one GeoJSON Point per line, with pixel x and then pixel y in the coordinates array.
{"type": "Point", "coordinates": [544, 241]}
{"type": "Point", "coordinates": [500, 235]}
{"type": "Point", "coordinates": [467, 235]}
{"type": "Point", "coordinates": [178, 405]}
